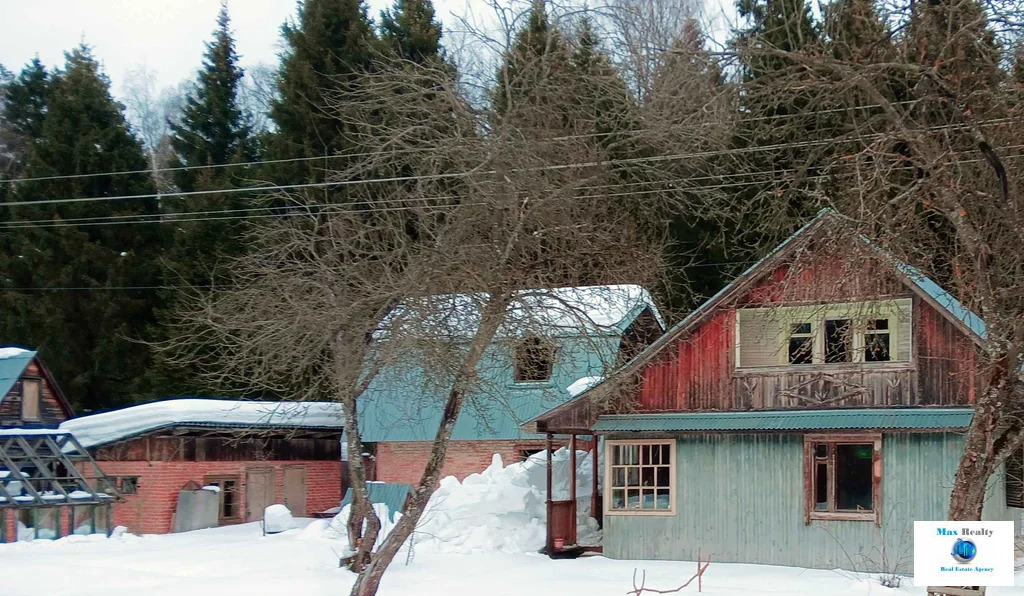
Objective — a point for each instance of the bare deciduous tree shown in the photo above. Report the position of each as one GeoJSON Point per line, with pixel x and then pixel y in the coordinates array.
{"type": "Point", "coordinates": [460, 223]}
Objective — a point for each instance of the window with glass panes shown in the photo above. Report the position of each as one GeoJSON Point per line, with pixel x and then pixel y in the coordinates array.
{"type": "Point", "coordinates": [640, 476]}
{"type": "Point", "coordinates": [843, 476]}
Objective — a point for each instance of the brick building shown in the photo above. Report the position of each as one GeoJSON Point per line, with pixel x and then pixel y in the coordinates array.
{"type": "Point", "coordinates": [553, 345]}
{"type": "Point", "coordinates": [255, 453]}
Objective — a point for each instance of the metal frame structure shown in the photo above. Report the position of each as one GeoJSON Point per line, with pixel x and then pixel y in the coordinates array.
{"type": "Point", "coordinates": [51, 470]}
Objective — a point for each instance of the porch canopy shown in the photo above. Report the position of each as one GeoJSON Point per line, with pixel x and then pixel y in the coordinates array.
{"type": "Point", "coordinates": [918, 419]}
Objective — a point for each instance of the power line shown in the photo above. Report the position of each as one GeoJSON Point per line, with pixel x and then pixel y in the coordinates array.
{"type": "Point", "coordinates": [447, 175]}
{"type": "Point", "coordinates": [415, 149]}
{"type": "Point", "coordinates": [427, 202]}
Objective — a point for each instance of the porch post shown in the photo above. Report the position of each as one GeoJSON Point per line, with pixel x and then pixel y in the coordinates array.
{"type": "Point", "coordinates": [595, 471]}
{"type": "Point", "coordinates": [572, 467]}
{"type": "Point", "coordinates": [550, 542]}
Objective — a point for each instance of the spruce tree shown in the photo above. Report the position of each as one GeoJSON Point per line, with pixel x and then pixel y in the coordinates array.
{"type": "Point", "coordinates": [410, 31]}
{"type": "Point", "coordinates": [77, 300]}
{"type": "Point", "coordinates": [212, 130]}
{"type": "Point", "coordinates": [326, 48]}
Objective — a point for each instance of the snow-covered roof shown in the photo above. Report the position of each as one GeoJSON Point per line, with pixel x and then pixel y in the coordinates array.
{"type": "Point", "coordinates": [557, 311]}
{"type": "Point", "coordinates": [100, 429]}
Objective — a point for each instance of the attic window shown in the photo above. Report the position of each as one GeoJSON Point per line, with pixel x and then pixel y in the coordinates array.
{"type": "Point", "coordinates": [534, 360]}
{"type": "Point", "coordinates": [30, 399]}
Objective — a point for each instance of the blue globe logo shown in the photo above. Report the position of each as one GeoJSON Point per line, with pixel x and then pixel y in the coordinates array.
{"type": "Point", "coordinates": [964, 551]}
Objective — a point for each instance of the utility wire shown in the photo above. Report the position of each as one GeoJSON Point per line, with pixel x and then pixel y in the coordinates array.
{"type": "Point", "coordinates": [411, 149]}
{"type": "Point", "coordinates": [447, 175]}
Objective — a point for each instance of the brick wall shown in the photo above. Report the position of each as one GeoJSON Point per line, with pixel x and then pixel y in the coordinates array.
{"type": "Point", "coordinates": [404, 461]}
{"type": "Point", "coordinates": [150, 510]}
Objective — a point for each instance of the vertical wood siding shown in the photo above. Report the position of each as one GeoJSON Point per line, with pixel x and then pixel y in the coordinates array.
{"type": "Point", "coordinates": [51, 413]}
{"type": "Point", "coordinates": [740, 498]}
{"type": "Point", "coordinates": [698, 371]}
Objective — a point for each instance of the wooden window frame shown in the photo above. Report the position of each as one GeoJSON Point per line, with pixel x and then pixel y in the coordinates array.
{"type": "Point", "coordinates": [38, 382]}
{"type": "Point", "coordinates": [609, 444]}
{"type": "Point", "coordinates": [219, 479]}
{"type": "Point", "coordinates": [810, 513]}
{"type": "Point", "coordinates": [543, 344]}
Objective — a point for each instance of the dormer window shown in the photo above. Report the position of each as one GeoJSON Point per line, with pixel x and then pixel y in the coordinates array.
{"type": "Point", "coordinates": [534, 359]}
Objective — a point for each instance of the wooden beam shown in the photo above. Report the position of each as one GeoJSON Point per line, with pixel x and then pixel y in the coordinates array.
{"type": "Point", "coordinates": [550, 542]}
{"type": "Point", "coordinates": [572, 468]}
{"type": "Point", "coordinates": [594, 472]}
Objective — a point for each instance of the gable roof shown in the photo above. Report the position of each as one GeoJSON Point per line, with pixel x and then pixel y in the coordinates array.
{"type": "Point", "coordinates": [14, 361]}
{"type": "Point", "coordinates": [943, 302]}
{"type": "Point", "coordinates": [118, 425]}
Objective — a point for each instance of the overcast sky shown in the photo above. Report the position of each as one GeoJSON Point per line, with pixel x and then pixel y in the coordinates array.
{"type": "Point", "coordinates": [167, 36]}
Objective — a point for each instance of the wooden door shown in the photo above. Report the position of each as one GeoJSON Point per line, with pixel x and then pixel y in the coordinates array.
{"type": "Point", "coordinates": [295, 490]}
{"type": "Point", "coordinates": [259, 492]}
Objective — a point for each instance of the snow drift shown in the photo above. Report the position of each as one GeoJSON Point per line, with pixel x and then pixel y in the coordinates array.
{"type": "Point", "coordinates": [501, 509]}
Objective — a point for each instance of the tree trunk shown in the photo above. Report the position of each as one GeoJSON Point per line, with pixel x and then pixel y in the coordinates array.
{"type": "Point", "coordinates": [361, 509]}
{"type": "Point", "coordinates": [369, 577]}
{"type": "Point", "coordinates": [989, 441]}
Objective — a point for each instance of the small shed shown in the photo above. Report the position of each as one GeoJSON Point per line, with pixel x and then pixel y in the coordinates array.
{"type": "Point", "coordinates": [50, 487]}
{"type": "Point", "coordinates": [256, 453]}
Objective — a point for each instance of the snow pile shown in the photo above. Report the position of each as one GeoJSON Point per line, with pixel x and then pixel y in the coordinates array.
{"type": "Point", "coordinates": [277, 518]}
{"type": "Point", "coordinates": [100, 429]}
{"type": "Point", "coordinates": [502, 509]}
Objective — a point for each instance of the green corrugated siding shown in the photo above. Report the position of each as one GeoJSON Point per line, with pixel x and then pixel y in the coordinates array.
{"type": "Point", "coordinates": [390, 494]}
{"type": "Point", "coordinates": [920, 418]}
{"type": "Point", "coordinates": [740, 498]}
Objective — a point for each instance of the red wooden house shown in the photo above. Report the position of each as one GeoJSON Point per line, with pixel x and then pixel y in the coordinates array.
{"type": "Point", "coordinates": [805, 415]}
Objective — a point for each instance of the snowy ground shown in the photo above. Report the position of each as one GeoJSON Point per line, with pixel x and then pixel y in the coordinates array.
{"type": "Point", "coordinates": [238, 560]}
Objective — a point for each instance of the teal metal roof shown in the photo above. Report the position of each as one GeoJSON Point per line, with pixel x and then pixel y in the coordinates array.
{"type": "Point", "coordinates": [392, 495]}
{"type": "Point", "coordinates": [11, 368]}
{"type": "Point", "coordinates": [788, 420]}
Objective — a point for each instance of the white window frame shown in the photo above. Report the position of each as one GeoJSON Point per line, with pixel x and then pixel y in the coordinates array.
{"type": "Point", "coordinates": [609, 445]}
{"type": "Point", "coordinates": [792, 315]}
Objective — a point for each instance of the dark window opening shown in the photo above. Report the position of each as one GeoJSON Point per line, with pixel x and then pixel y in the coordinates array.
{"type": "Point", "coordinates": [524, 454]}
{"type": "Point", "coordinates": [853, 477]}
{"type": "Point", "coordinates": [229, 510]}
{"type": "Point", "coordinates": [876, 341]}
{"type": "Point", "coordinates": [534, 360]}
{"type": "Point", "coordinates": [837, 341]}
{"type": "Point", "coordinates": [801, 344]}
{"type": "Point", "coordinates": [842, 477]}
{"type": "Point", "coordinates": [129, 485]}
